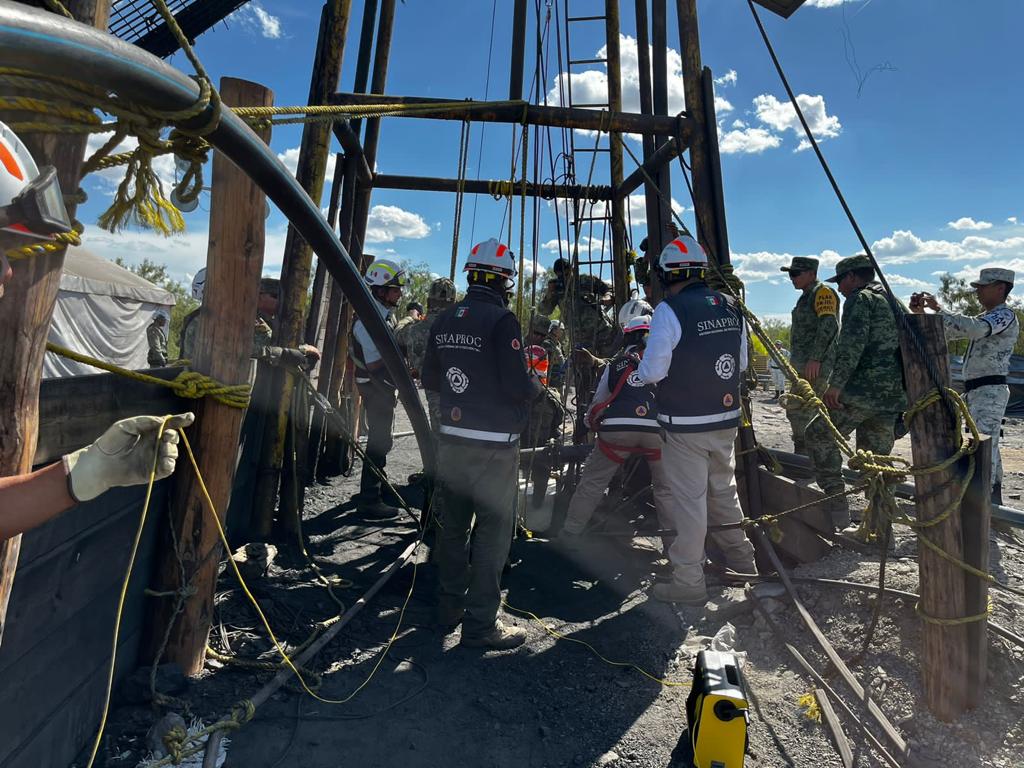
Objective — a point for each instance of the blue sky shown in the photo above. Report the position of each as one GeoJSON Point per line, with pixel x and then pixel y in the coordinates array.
{"type": "Point", "coordinates": [924, 140]}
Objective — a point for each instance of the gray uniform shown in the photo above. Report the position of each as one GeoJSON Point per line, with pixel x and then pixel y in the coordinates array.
{"type": "Point", "coordinates": [993, 336]}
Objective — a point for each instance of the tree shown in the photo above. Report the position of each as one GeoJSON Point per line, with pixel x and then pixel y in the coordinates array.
{"type": "Point", "coordinates": [778, 330]}
{"type": "Point", "coordinates": [184, 303]}
{"type": "Point", "coordinates": [957, 295]}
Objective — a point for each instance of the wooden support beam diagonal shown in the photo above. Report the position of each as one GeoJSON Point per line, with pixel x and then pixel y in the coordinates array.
{"type": "Point", "coordinates": [665, 154]}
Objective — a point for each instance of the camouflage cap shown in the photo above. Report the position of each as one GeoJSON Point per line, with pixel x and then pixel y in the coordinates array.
{"type": "Point", "coordinates": [540, 324]}
{"type": "Point", "coordinates": [850, 263]}
{"type": "Point", "coordinates": [994, 275]}
{"type": "Point", "coordinates": [801, 264]}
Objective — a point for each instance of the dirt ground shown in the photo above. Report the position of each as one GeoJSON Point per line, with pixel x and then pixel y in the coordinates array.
{"type": "Point", "coordinates": [556, 701]}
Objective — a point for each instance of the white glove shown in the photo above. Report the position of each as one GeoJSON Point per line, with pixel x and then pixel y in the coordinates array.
{"type": "Point", "coordinates": [124, 454]}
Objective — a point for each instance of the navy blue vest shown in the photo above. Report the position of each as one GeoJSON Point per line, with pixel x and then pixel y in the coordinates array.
{"type": "Point", "coordinates": [633, 409]}
{"type": "Point", "coordinates": [472, 408]}
{"type": "Point", "coordinates": [702, 390]}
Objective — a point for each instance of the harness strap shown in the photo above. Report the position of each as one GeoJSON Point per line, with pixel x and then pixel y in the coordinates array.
{"type": "Point", "coordinates": [597, 409]}
{"type": "Point", "coordinates": [615, 451]}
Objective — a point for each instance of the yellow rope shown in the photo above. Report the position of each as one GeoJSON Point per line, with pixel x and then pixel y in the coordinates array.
{"type": "Point", "coordinates": [187, 383]}
{"type": "Point", "coordinates": [60, 241]}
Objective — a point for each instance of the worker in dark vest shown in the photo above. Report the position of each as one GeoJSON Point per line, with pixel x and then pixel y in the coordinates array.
{"type": "Point", "coordinates": [385, 279]}
{"type": "Point", "coordinates": [624, 414]}
{"type": "Point", "coordinates": [475, 361]}
{"type": "Point", "coordinates": [695, 354]}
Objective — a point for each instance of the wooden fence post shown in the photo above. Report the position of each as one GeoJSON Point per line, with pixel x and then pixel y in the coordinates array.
{"type": "Point", "coordinates": [26, 311]}
{"type": "Point", "coordinates": [223, 350]}
{"type": "Point", "coordinates": [944, 656]}
{"type": "Point", "coordinates": [976, 519]}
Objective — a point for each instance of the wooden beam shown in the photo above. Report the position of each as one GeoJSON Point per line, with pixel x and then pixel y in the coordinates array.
{"type": "Point", "coordinates": [651, 167]}
{"type": "Point", "coordinates": [620, 265]}
{"type": "Point", "coordinates": [933, 438]}
{"type": "Point", "coordinates": [488, 187]}
{"type": "Point", "coordinates": [558, 117]}
{"type": "Point", "coordinates": [976, 519]}
{"type": "Point", "coordinates": [515, 74]}
{"type": "Point", "coordinates": [349, 141]}
{"type": "Point", "coordinates": [834, 727]}
{"type": "Point", "coordinates": [26, 310]}
{"type": "Point", "coordinates": [314, 151]}
{"type": "Point", "coordinates": [223, 348]}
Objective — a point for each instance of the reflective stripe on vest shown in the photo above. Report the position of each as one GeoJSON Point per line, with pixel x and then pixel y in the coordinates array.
{"type": "Point", "coordinates": [690, 420]}
{"type": "Point", "coordinates": [537, 362]}
{"type": "Point", "coordinates": [479, 434]}
{"type": "Point", "coordinates": [623, 421]}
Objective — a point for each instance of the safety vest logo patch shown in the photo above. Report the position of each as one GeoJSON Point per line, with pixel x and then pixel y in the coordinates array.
{"type": "Point", "coordinates": [634, 380]}
{"type": "Point", "coordinates": [457, 380]}
{"type": "Point", "coordinates": [462, 311]}
{"type": "Point", "coordinates": [725, 366]}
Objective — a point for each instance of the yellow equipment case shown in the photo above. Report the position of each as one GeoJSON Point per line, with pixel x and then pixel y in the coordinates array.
{"type": "Point", "coordinates": [716, 711]}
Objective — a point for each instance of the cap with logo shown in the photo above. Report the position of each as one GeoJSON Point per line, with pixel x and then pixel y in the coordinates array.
{"type": "Point", "coordinates": [994, 275]}
{"type": "Point", "coordinates": [849, 264]}
{"type": "Point", "coordinates": [801, 264]}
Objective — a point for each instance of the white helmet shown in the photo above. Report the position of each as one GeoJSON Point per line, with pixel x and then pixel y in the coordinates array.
{"type": "Point", "coordinates": [633, 308]}
{"type": "Point", "coordinates": [638, 323]}
{"type": "Point", "coordinates": [494, 258]}
{"type": "Point", "coordinates": [31, 202]}
{"type": "Point", "coordinates": [198, 284]}
{"type": "Point", "coordinates": [384, 273]}
{"type": "Point", "coordinates": [682, 253]}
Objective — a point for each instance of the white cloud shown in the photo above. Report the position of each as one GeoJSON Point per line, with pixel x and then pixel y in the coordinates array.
{"type": "Point", "coordinates": [163, 165]}
{"type": "Point", "coordinates": [729, 78]}
{"type": "Point", "coordinates": [970, 272]}
{"type": "Point", "coordinates": [824, 3]}
{"type": "Point", "coordinates": [780, 116]}
{"type": "Point", "coordinates": [255, 19]}
{"type": "Point", "coordinates": [966, 222]}
{"type": "Point", "coordinates": [1011, 219]}
{"type": "Point", "coordinates": [761, 266]}
{"type": "Point", "coordinates": [903, 247]}
{"type": "Point", "coordinates": [290, 157]}
{"type": "Point", "coordinates": [387, 223]}
{"type": "Point", "coordinates": [746, 140]}
{"type": "Point", "coordinates": [911, 283]}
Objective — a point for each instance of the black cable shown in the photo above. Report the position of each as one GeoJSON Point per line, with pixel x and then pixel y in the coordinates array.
{"type": "Point", "coordinates": [894, 304]}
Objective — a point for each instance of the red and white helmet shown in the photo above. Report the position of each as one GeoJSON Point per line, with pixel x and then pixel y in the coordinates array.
{"type": "Point", "coordinates": [31, 202]}
{"type": "Point", "coordinates": [385, 273]}
{"type": "Point", "coordinates": [492, 257]}
{"type": "Point", "coordinates": [633, 308]}
{"type": "Point", "coordinates": [682, 253]}
{"type": "Point", "coordinates": [639, 323]}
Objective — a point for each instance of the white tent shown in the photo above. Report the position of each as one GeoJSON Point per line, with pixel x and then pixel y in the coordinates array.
{"type": "Point", "coordinates": [102, 311]}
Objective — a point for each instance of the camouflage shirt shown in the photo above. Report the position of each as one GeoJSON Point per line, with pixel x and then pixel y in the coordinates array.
{"type": "Point", "coordinates": [815, 325]}
{"type": "Point", "coordinates": [556, 363]}
{"type": "Point", "coordinates": [583, 314]}
{"type": "Point", "coordinates": [993, 336]}
{"type": "Point", "coordinates": [867, 368]}
{"type": "Point", "coordinates": [412, 338]}
{"type": "Point", "coordinates": [261, 337]}
{"type": "Point", "coordinates": [157, 343]}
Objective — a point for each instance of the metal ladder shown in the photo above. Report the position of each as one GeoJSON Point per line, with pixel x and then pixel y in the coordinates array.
{"type": "Point", "coordinates": [580, 220]}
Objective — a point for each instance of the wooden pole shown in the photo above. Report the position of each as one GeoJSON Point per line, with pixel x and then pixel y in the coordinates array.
{"type": "Point", "coordinates": [666, 153]}
{"type": "Point", "coordinates": [515, 74]}
{"type": "Point", "coordinates": [26, 310]}
{"type": "Point", "coordinates": [659, 79]}
{"type": "Point", "coordinates": [223, 348]}
{"type": "Point", "coordinates": [944, 662]}
{"type": "Point", "coordinates": [487, 187]}
{"type": "Point", "coordinates": [976, 519]}
{"type": "Point", "coordinates": [314, 150]}
{"type": "Point", "coordinates": [620, 265]}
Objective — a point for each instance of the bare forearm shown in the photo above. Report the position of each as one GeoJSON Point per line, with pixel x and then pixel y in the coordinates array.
{"type": "Point", "coordinates": [30, 500]}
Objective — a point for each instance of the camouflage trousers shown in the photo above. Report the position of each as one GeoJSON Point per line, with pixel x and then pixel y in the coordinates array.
{"type": "Point", "coordinates": [799, 417]}
{"type": "Point", "coordinates": [545, 415]}
{"type": "Point", "coordinates": [874, 433]}
{"type": "Point", "coordinates": [988, 406]}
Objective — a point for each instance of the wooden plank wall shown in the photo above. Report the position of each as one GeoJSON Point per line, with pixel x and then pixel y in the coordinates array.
{"type": "Point", "coordinates": [54, 657]}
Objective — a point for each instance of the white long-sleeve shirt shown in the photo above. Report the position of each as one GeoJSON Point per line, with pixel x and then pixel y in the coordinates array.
{"type": "Point", "coordinates": [665, 334]}
{"type": "Point", "coordinates": [370, 352]}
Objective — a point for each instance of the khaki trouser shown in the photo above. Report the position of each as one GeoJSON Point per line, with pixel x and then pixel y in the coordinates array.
{"type": "Point", "coordinates": [478, 492]}
{"type": "Point", "coordinates": [599, 471]}
{"type": "Point", "coordinates": [700, 469]}
{"type": "Point", "coordinates": [988, 406]}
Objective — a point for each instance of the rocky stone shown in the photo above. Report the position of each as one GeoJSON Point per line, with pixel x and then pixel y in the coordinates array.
{"type": "Point", "coordinates": [163, 726]}
{"type": "Point", "coordinates": [254, 560]}
{"type": "Point", "coordinates": [607, 758]}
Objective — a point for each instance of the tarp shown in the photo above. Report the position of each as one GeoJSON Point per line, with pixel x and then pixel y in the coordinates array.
{"type": "Point", "coordinates": [102, 311]}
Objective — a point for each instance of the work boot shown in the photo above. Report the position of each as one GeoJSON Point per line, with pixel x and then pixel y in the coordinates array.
{"type": "Point", "coordinates": [500, 638]}
{"type": "Point", "coordinates": [838, 508]}
{"type": "Point", "coordinates": [447, 619]}
{"type": "Point", "coordinates": [377, 510]}
{"type": "Point", "coordinates": [675, 592]}
{"type": "Point", "coordinates": [799, 447]}
{"type": "Point", "coordinates": [997, 494]}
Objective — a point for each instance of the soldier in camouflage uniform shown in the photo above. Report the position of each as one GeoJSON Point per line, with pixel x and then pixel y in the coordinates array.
{"type": "Point", "coordinates": [414, 336]}
{"type": "Point", "coordinates": [546, 411]}
{"type": "Point", "coordinates": [413, 314]}
{"type": "Point", "coordinates": [865, 387]}
{"type": "Point", "coordinates": [582, 305]}
{"type": "Point", "coordinates": [993, 335]}
{"type": "Point", "coordinates": [812, 335]}
{"type": "Point", "coordinates": [556, 357]}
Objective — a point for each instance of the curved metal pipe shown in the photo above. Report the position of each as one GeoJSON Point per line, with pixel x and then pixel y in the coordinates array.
{"type": "Point", "coordinates": [33, 39]}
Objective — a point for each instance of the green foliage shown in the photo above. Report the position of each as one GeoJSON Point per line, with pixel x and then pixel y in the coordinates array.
{"type": "Point", "coordinates": [418, 286]}
{"type": "Point", "coordinates": [957, 295]}
{"type": "Point", "coordinates": [184, 303]}
{"type": "Point", "coordinates": [778, 330]}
